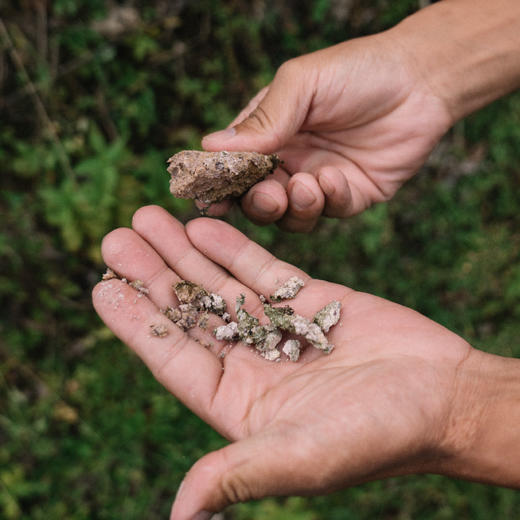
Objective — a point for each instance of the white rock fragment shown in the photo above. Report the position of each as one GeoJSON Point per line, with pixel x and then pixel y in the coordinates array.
{"type": "Point", "coordinates": [288, 290]}
{"type": "Point", "coordinates": [227, 332]}
{"type": "Point", "coordinates": [317, 339]}
{"type": "Point", "coordinates": [285, 319]}
{"type": "Point", "coordinates": [271, 355]}
{"type": "Point", "coordinates": [226, 317]}
{"type": "Point", "coordinates": [292, 349]}
{"type": "Point", "coordinates": [328, 316]}
{"type": "Point", "coordinates": [300, 325]}
{"type": "Point", "coordinates": [214, 303]}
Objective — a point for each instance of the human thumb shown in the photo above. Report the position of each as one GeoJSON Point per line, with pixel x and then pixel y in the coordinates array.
{"type": "Point", "coordinates": [245, 470]}
{"type": "Point", "coordinates": [275, 119]}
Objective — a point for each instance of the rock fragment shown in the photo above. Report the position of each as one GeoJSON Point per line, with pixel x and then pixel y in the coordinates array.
{"type": "Point", "coordinates": [286, 319]}
{"type": "Point", "coordinates": [291, 349]}
{"type": "Point", "coordinates": [109, 275]}
{"type": "Point", "coordinates": [189, 292]}
{"type": "Point", "coordinates": [138, 285]}
{"type": "Point", "coordinates": [328, 316]}
{"type": "Point", "coordinates": [271, 355]}
{"type": "Point", "coordinates": [288, 290]}
{"type": "Point", "coordinates": [227, 332]}
{"type": "Point", "coordinates": [184, 316]}
{"type": "Point", "coordinates": [213, 176]}
{"type": "Point", "coordinates": [214, 303]}
{"type": "Point", "coordinates": [159, 330]}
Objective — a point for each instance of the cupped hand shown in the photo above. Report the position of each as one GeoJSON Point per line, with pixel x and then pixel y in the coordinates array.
{"type": "Point", "coordinates": [351, 122]}
{"type": "Point", "coordinates": [381, 404]}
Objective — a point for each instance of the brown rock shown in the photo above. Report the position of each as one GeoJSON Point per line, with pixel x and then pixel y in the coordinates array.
{"type": "Point", "coordinates": [213, 176]}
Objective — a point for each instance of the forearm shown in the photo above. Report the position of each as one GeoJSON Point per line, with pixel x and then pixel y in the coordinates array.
{"type": "Point", "coordinates": [467, 51]}
{"type": "Point", "coordinates": [483, 436]}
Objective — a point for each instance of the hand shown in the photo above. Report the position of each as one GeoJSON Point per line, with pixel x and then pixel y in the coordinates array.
{"type": "Point", "coordinates": [399, 393]}
{"type": "Point", "coordinates": [351, 122]}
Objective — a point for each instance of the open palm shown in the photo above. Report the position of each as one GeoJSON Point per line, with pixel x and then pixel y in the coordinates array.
{"type": "Point", "coordinates": [378, 405]}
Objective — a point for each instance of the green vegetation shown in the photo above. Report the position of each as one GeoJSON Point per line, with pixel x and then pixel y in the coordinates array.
{"type": "Point", "coordinates": [90, 109]}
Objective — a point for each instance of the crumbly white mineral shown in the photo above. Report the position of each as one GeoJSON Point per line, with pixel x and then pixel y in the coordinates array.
{"type": "Point", "coordinates": [227, 332]}
{"type": "Point", "coordinates": [214, 303]}
{"type": "Point", "coordinates": [328, 316]}
{"type": "Point", "coordinates": [271, 355]}
{"type": "Point", "coordinates": [288, 290]}
{"type": "Point", "coordinates": [291, 348]}
{"type": "Point", "coordinates": [195, 303]}
{"type": "Point", "coordinates": [285, 318]}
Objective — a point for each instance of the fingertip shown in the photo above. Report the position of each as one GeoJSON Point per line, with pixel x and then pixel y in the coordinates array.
{"type": "Point", "coordinates": [112, 242]}
{"type": "Point", "coordinates": [335, 186]}
{"type": "Point", "coordinates": [265, 202]}
{"type": "Point", "coordinates": [217, 141]}
{"type": "Point", "coordinates": [306, 202]}
{"type": "Point", "coordinates": [147, 215]}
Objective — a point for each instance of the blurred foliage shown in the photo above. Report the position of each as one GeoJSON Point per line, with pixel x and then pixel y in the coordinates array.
{"type": "Point", "coordinates": [94, 96]}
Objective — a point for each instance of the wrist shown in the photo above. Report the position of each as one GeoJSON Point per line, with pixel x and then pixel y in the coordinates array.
{"type": "Point", "coordinates": [482, 436]}
{"type": "Point", "coordinates": [465, 51]}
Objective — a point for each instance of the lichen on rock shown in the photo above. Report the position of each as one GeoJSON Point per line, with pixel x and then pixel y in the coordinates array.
{"type": "Point", "coordinates": [213, 176]}
{"type": "Point", "coordinates": [286, 319]}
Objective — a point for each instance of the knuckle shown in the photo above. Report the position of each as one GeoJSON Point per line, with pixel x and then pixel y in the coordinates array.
{"type": "Point", "coordinates": [260, 119]}
{"type": "Point", "coordinates": [234, 488]}
{"type": "Point", "coordinates": [289, 69]}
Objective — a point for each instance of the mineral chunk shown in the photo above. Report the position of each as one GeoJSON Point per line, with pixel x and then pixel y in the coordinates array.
{"type": "Point", "coordinates": [138, 285]}
{"type": "Point", "coordinates": [227, 332]}
{"type": "Point", "coordinates": [159, 330]}
{"type": "Point", "coordinates": [328, 316]}
{"type": "Point", "coordinates": [292, 349]}
{"type": "Point", "coordinates": [109, 275]}
{"type": "Point", "coordinates": [213, 176]}
{"type": "Point", "coordinates": [184, 316]}
{"type": "Point", "coordinates": [189, 292]}
{"type": "Point", "coordinates": [288, 290]}
{"type": "Point", "coordinates": [270, 340]}
{"type": "Point", "coordinates": [271, 355]}
{"type": "Point", "coordinates": [214, 303]}
{"type": "Point", "coordinates": [286, 319]}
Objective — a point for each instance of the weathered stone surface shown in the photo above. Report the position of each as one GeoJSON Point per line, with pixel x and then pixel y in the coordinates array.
{"type": "Point", "coordinates": [213, 176]}
{"type": "Point", "coordinates": [328, 316]}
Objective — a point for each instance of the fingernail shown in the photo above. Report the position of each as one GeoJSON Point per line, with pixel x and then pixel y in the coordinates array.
{"type": "Point", "coordinates": [221, 135]}
{"type": "Point", "coordinates": [263, 203]}
{"type": "Point", "coordinates": [203, 515]}
{"type": "Point", "coordinates": [302, 196]}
